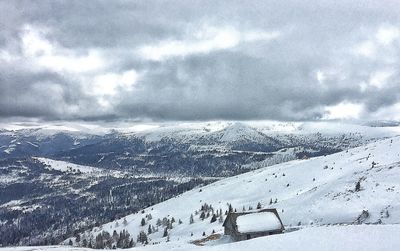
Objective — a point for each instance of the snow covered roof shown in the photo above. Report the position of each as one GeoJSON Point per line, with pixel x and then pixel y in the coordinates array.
{"type": "Point", "coordinates": [258, 222]}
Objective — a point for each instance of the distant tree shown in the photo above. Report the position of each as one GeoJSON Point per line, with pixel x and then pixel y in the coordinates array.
{"type": "Point", "coordinates": [276, 200]}
{"type": "Point", "coordinates": [180, 221]}
{"type": "Point", "coordinates": [204, 233]}
{"type": "Point", "coordinates": [143, 222]}
{"type": "Point", "coordinates": [213, 218]}
{"type": "Point", "coordinates": [165, 232]}
{"type": "Point", "coordinates": [115, 236]}
{"type": "Point", "coordinates": [131, 243]}
{"type": "Point", "coordinates": [99, 244]}
{"type": "Point", "coordinates": [358, 186]}
{"type": "Point", "coordinates": [125, 223]}
{"type": "Point", "coordinates": [149, 230]}
{"type": "Point", "coordinates": [78, 237]}
{"type": "Point", "coordinates": [142, 238]}
{"type": "Point", "coordinates": [259, 205]}
{"type": "Point", "coordinates": [191, 220]}
{"type": "Point", "coordinates": [202, 215]}
{"type": "Point", "coordinates": [70, 242]}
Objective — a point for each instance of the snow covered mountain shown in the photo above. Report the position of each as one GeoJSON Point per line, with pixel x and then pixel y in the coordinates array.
{"type": "Point", "coordinates": [217, 148]}
{"type": "Point", "coordinates": [133, 167]}
{"type": "Point", "coordinates": [314, 192]}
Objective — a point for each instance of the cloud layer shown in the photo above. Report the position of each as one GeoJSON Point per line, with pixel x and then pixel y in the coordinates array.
{"type": "Point", "coordinates": [199, 60]}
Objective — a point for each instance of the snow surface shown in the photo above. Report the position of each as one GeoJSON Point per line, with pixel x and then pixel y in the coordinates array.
{"type": "Point", "coordinates": [332, 238]}
{"type": "Point", "coordinates": [258, 222]}
{"type": "Point", "coordinates": [318, 191]}
{"type": "Point", "coordinates": [233, 129]}
{"type": "Point", "coordinates": [67, 166]}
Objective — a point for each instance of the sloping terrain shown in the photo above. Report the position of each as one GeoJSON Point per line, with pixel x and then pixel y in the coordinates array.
{"type": "Point", "coordinates": [318, 191]}
{"type": "Point", "coordinates": [93, 177]}
{"type": "Point", "coordinates": [43, 201]}
{"type": "Point", "coordinates": [330, 238]}
{"type": "Point", "coordinates": [192, 149]}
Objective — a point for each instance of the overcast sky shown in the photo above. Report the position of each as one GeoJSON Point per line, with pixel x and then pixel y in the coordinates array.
{"type": "Point", "coordinates": [199, 60]}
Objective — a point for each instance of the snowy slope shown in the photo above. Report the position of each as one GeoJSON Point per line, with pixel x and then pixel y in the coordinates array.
{"type": "Point", "coordinates": [333, 238]}
{"type": "Point", "coordinates": [310, 192]}
{"type": "Point", "coordinates": [68, 167]}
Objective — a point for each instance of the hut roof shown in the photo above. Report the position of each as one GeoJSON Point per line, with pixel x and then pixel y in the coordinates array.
{"type": "Point", "coordinates": [258, 222]}
{"type": "Point", "coordinates": [263, 220]}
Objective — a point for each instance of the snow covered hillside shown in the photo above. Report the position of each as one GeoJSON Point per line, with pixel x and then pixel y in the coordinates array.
{"type": "Point", "coordinates": [318, 191]}
{"type": "Point", "coordinates": [330, 238]}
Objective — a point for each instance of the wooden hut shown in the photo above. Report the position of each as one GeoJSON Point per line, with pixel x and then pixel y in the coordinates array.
{"type": "Point", "coordinates": [252, 224]}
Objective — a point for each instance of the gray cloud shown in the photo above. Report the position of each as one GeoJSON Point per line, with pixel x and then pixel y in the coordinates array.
{"type": "Point", "coordinates": [82, 60]}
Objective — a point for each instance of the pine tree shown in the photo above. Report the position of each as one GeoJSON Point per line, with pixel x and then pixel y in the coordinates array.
{"type": "Point", "coordinates": [70, 242]}
{"type": "Point", "coordinates": [142, 238]}
{"type": "Point", "coordinates": [131, 243]}
{"type": "Point", "coordinates": [143, 222]}
{"type": "Point", "coordinates": [202, 215]}
{"type": "Point", "coordinates": [259, 205]}
{"type": "Point", "coordinates": [78, 238]}
{"type": "Point", "coordinates": [115, 236]}
{"type": "Point", "coordinates": [125, 223]}
{"type": "Point", "coordinates": [149, 230]}
{"type": "Point", "coordinates": [165, 232]}
{"type": "Point", "coordinates": [191, 220]}
{"type": "Point", "coordinates": [358, 186]}
{"type": "Point", "coordinates": [213, 218]}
